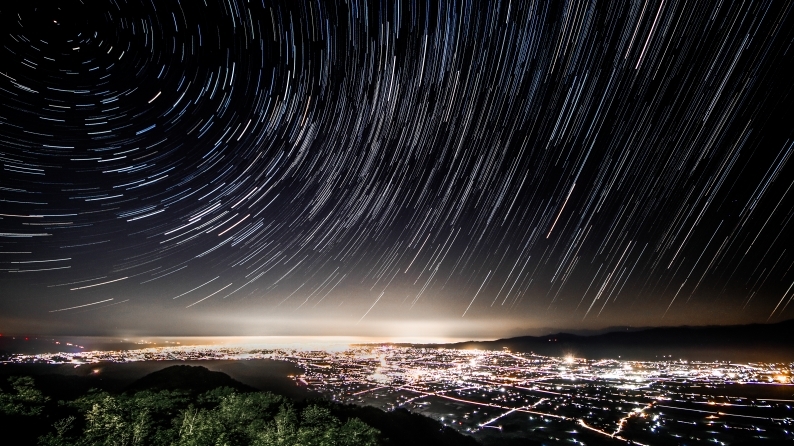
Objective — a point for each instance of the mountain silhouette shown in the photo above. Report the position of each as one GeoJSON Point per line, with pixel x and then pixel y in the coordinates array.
{"type": "Point", "coordinates": [752, 342]}
{"type": "Point", "coordinates": [195, 379]}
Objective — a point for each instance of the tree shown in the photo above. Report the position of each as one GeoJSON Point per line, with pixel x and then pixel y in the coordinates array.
{"type": "Point", "coordinates": [115, 422]}
{"type": "Point", "coordinates": [25, 400]}
{"type": "Point", "coordinates": [59, 438]}
{"type": "Point", "coordinates": [357, 433]}
{"type": "Point", "coordinates": [221, 417]}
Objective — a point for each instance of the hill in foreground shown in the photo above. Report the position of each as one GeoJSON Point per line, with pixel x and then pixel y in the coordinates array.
{"type": "Point", "coordinates": [193, 379]}
{"type": "Point", "coordinates": [193, 405]}
{"type": "Point", "coordinates": [398, 427]}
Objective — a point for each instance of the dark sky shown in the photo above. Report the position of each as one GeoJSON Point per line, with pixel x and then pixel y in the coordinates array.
{"type": "Point", "coordinates": [442, 168]}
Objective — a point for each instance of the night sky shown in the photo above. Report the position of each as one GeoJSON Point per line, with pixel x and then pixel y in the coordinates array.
{"type": "Point", "coordinates": [405, 168]}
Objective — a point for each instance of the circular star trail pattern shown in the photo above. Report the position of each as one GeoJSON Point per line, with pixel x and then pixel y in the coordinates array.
{"type": "Point", "coordinates": [174, 165]}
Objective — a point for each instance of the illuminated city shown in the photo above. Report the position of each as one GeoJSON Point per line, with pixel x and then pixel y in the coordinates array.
{"type": "Point", "coordinates": [501, 393]}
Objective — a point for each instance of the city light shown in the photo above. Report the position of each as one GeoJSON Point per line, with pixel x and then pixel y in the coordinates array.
{"type": "Point", "coordinates": [482, 392]}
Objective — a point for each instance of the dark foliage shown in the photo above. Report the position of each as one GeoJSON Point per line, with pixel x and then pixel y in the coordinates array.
{"type": "Point", "coordinates": [185, 405]}
{"type": "Point", "coordinates": [401, 427]}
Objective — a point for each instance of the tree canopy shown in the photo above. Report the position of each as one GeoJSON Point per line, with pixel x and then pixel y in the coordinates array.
{"type": "Point", "coordinates": [220, 417]}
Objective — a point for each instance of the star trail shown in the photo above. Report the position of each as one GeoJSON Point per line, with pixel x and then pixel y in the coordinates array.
{"type": "Point", "coordinates": [265, 167]}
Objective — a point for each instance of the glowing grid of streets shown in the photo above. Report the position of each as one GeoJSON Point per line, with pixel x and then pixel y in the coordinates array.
{"type": "Point", "coordinates": [485, 387]}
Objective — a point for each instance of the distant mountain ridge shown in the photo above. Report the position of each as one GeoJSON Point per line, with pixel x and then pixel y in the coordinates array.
{"type": "Point", "coordinates": [751, 342]}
